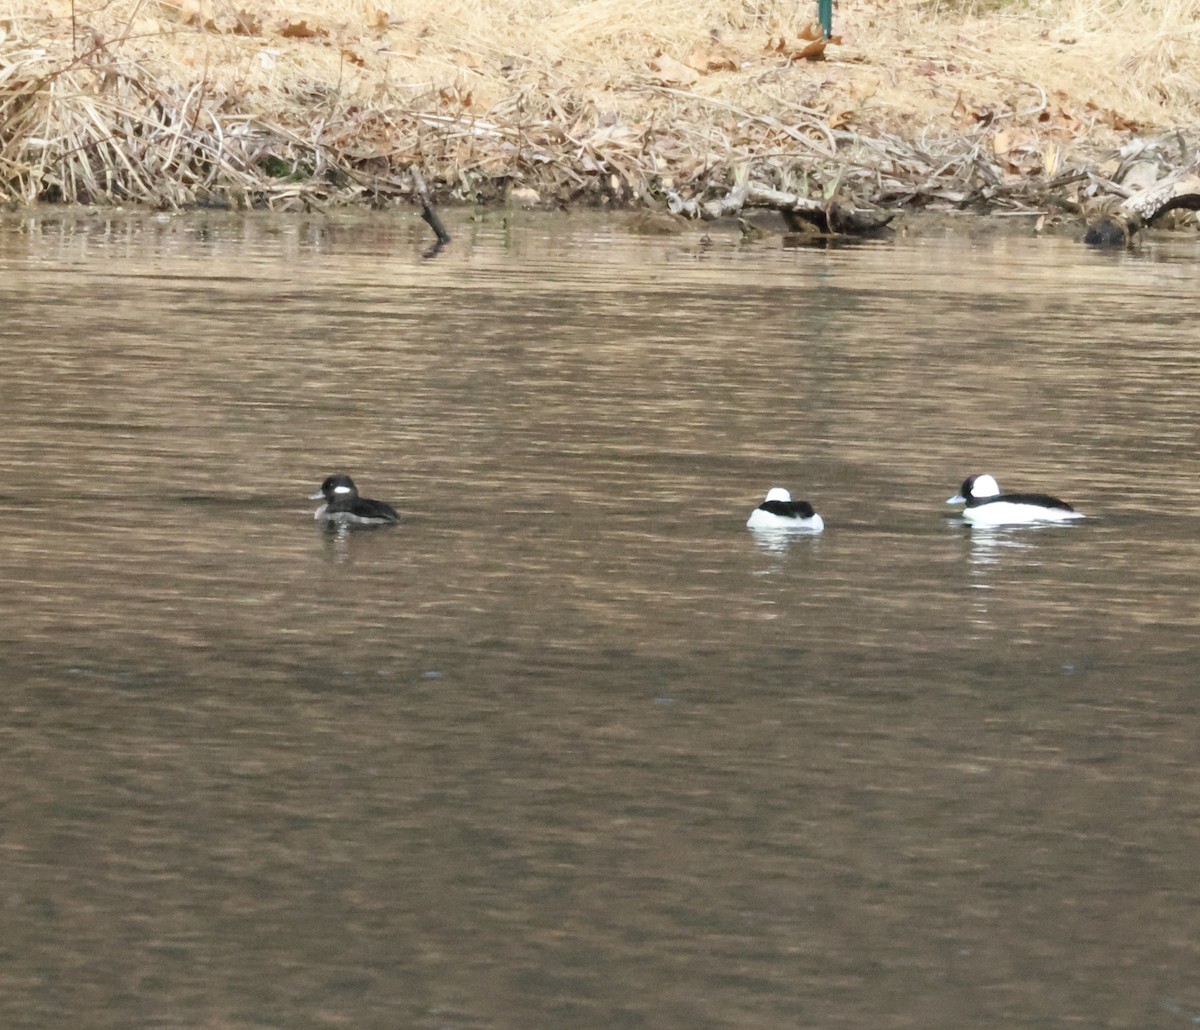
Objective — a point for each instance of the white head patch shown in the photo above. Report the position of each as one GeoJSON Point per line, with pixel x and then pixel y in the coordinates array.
{"type": "Point", "coordinates": [343, 490]}
{"type": "Point", "coordinates": [984, 486]}
{"type": "Point", "coordinates": [778, 493]}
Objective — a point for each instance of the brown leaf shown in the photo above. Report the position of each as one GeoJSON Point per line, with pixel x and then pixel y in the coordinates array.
{"type": "Point", "coordinates": [929, 68]}
{"type": "Point", "coordinates": [969, 115]}
{"type": "Point", "coordinates": [799, 48]}
{"type": "Point", "coordinates": [300, 30]}
{"type": "Point", "coordinates": [1007, 140]}
{"type": "Point", "coordinates": [453, 95]}
{"type": "Point", "coordinates": [1112, 119]}
{"type": "Point", "coordinates": [717, 58]}
{"type": "Point", "coordinates": [1059, 119]}
{"type": "Point", "coordinates": [863, 90]}
{"type": "Point", "coordinates": [815, 51]}
{"type": "Point", "coordinates": [671, 72]}
{"type": "Point", "coordinates": [1018, 151]}
{"type": "Point", "coordinates": [236, 23]}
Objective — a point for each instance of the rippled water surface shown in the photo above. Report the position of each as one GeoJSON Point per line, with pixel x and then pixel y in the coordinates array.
{"type": "Point", "coordinates": [570, 747]}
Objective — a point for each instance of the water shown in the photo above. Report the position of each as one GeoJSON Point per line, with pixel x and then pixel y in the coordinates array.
{"type": "Point", "coordinates": [570, 747]}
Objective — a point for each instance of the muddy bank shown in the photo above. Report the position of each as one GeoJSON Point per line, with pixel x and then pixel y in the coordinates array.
{"type": "Point", "coordinates": [956, 107]}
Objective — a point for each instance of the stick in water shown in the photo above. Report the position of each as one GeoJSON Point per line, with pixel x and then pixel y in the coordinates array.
{"type": "Point", "coordinates": [427, 211]}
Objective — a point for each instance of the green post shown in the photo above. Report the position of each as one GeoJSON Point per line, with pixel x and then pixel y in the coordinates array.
{"type": "Point", "coordinates": [825, 16]}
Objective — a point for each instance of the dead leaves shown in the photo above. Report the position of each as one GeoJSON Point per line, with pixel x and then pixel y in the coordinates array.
{"type": "Point", "coordinates": [717, 56]}
{"type": "Point", "coordinates": [229, 20]}
{"type": "Point", "coordinates": [703, 60]}
{"type": "Point", "coordinates": [1019, 152]}
{"type": "Point", "coordinates": [667, 71]}
{"type": "Point", "coordinates": [245, 23]}
{"type": "Point", "coordinates": [1026, 142]}
{"type": "Point", "coordinates": [456, 96]}
{"type": "Point", "coordinates": [1064, 118]}
{"type": "Point", "coordinates": [969, 115]}
{"type": "Point", "coordinates": [300, 30]}
{"type": "Point", "coordinates": [807, 45]}
{"type": "Point", "coordinates": [1111, 118]}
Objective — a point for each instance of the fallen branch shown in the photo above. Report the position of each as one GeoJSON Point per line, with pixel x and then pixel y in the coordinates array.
{"type": "Point", "coordinates": [827, 216]}
{"type": "Point", "coordinates": [832, 216]}
{"type": "Point", "coordinates": [427, 211]}
{"type": "Point", "coordinates": [1118, 228]}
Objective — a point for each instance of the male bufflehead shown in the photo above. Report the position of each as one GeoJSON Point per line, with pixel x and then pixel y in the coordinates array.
{"type": "Point", "coordinates": [344, 507]}
{"type": "Point", "coordinates": [987, 506]}
{"type": "Point", "coordinates": [779, 511]}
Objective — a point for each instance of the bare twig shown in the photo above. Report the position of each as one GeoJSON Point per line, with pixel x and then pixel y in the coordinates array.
{"type": "Point", "coordinates": [427, 210]}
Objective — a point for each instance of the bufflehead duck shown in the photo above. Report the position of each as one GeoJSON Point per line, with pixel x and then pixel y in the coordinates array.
{"type": "Point", "coordinates": [344, 507]}
{"type": "Point", "coordinates": [987, 506]}
{"type": "Point", "coordinates": [779, 511]}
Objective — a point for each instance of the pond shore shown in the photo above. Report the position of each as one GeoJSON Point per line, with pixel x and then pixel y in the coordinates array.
{"type": "Point", "coordinates": [983, 107]}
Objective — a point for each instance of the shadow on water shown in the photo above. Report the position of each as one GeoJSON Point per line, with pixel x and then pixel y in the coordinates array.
{"type": "Point", "coordinates": [570, 746]}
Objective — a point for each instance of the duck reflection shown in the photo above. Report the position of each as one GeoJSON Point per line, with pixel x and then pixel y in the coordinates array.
{"type": "Point", "coordinates": [778, 543]}
{"type": "Point", "coordinates": [991, 546]}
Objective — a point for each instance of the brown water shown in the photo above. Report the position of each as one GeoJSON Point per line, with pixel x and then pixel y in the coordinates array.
{"type": "Point", "coordinates": [571, 747]}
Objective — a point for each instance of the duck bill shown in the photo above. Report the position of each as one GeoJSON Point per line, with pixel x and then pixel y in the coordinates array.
{"type": "Point", "coordinates": [956, 499]}
{"type": "Point", "coordinates": [316, 497]}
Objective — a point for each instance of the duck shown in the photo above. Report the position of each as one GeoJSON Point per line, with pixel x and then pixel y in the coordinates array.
{"type": "Point", "coordinates": [779, 511]}
{"type": "Point", "coordinates": [987, 506]}
{"type": "Point", "coordinates": [343, 506]}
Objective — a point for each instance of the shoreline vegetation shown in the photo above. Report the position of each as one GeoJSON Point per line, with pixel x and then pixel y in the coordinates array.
{"type": "Point", "coordinates": [1053, 107]}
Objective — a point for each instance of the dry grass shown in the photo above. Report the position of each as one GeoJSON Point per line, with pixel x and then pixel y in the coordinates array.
{"type": "Point", "coordinates": [174, 102]}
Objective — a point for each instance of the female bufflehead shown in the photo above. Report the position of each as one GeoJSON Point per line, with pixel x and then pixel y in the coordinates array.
{"type": "Point", "coordinates": [779, 511]}
{"type": "Point", "coordinates": [343, 506]}
{"type": "Point", "coordinates": [987, 506]}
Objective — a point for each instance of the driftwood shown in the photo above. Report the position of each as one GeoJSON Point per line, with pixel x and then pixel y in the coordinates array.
{"type": "Point", "coordinates": [827, 216]}
{"type": "Point", "coordinates": [428, 212]}
{"type": "Point", "coordinates": [1117, 228]}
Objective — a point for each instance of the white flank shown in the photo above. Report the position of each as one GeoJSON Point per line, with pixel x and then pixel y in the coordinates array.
{"type": "Point", "coordinates": [1004, 513]}
{"type": "Point", "coordinates": [765, 520]}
